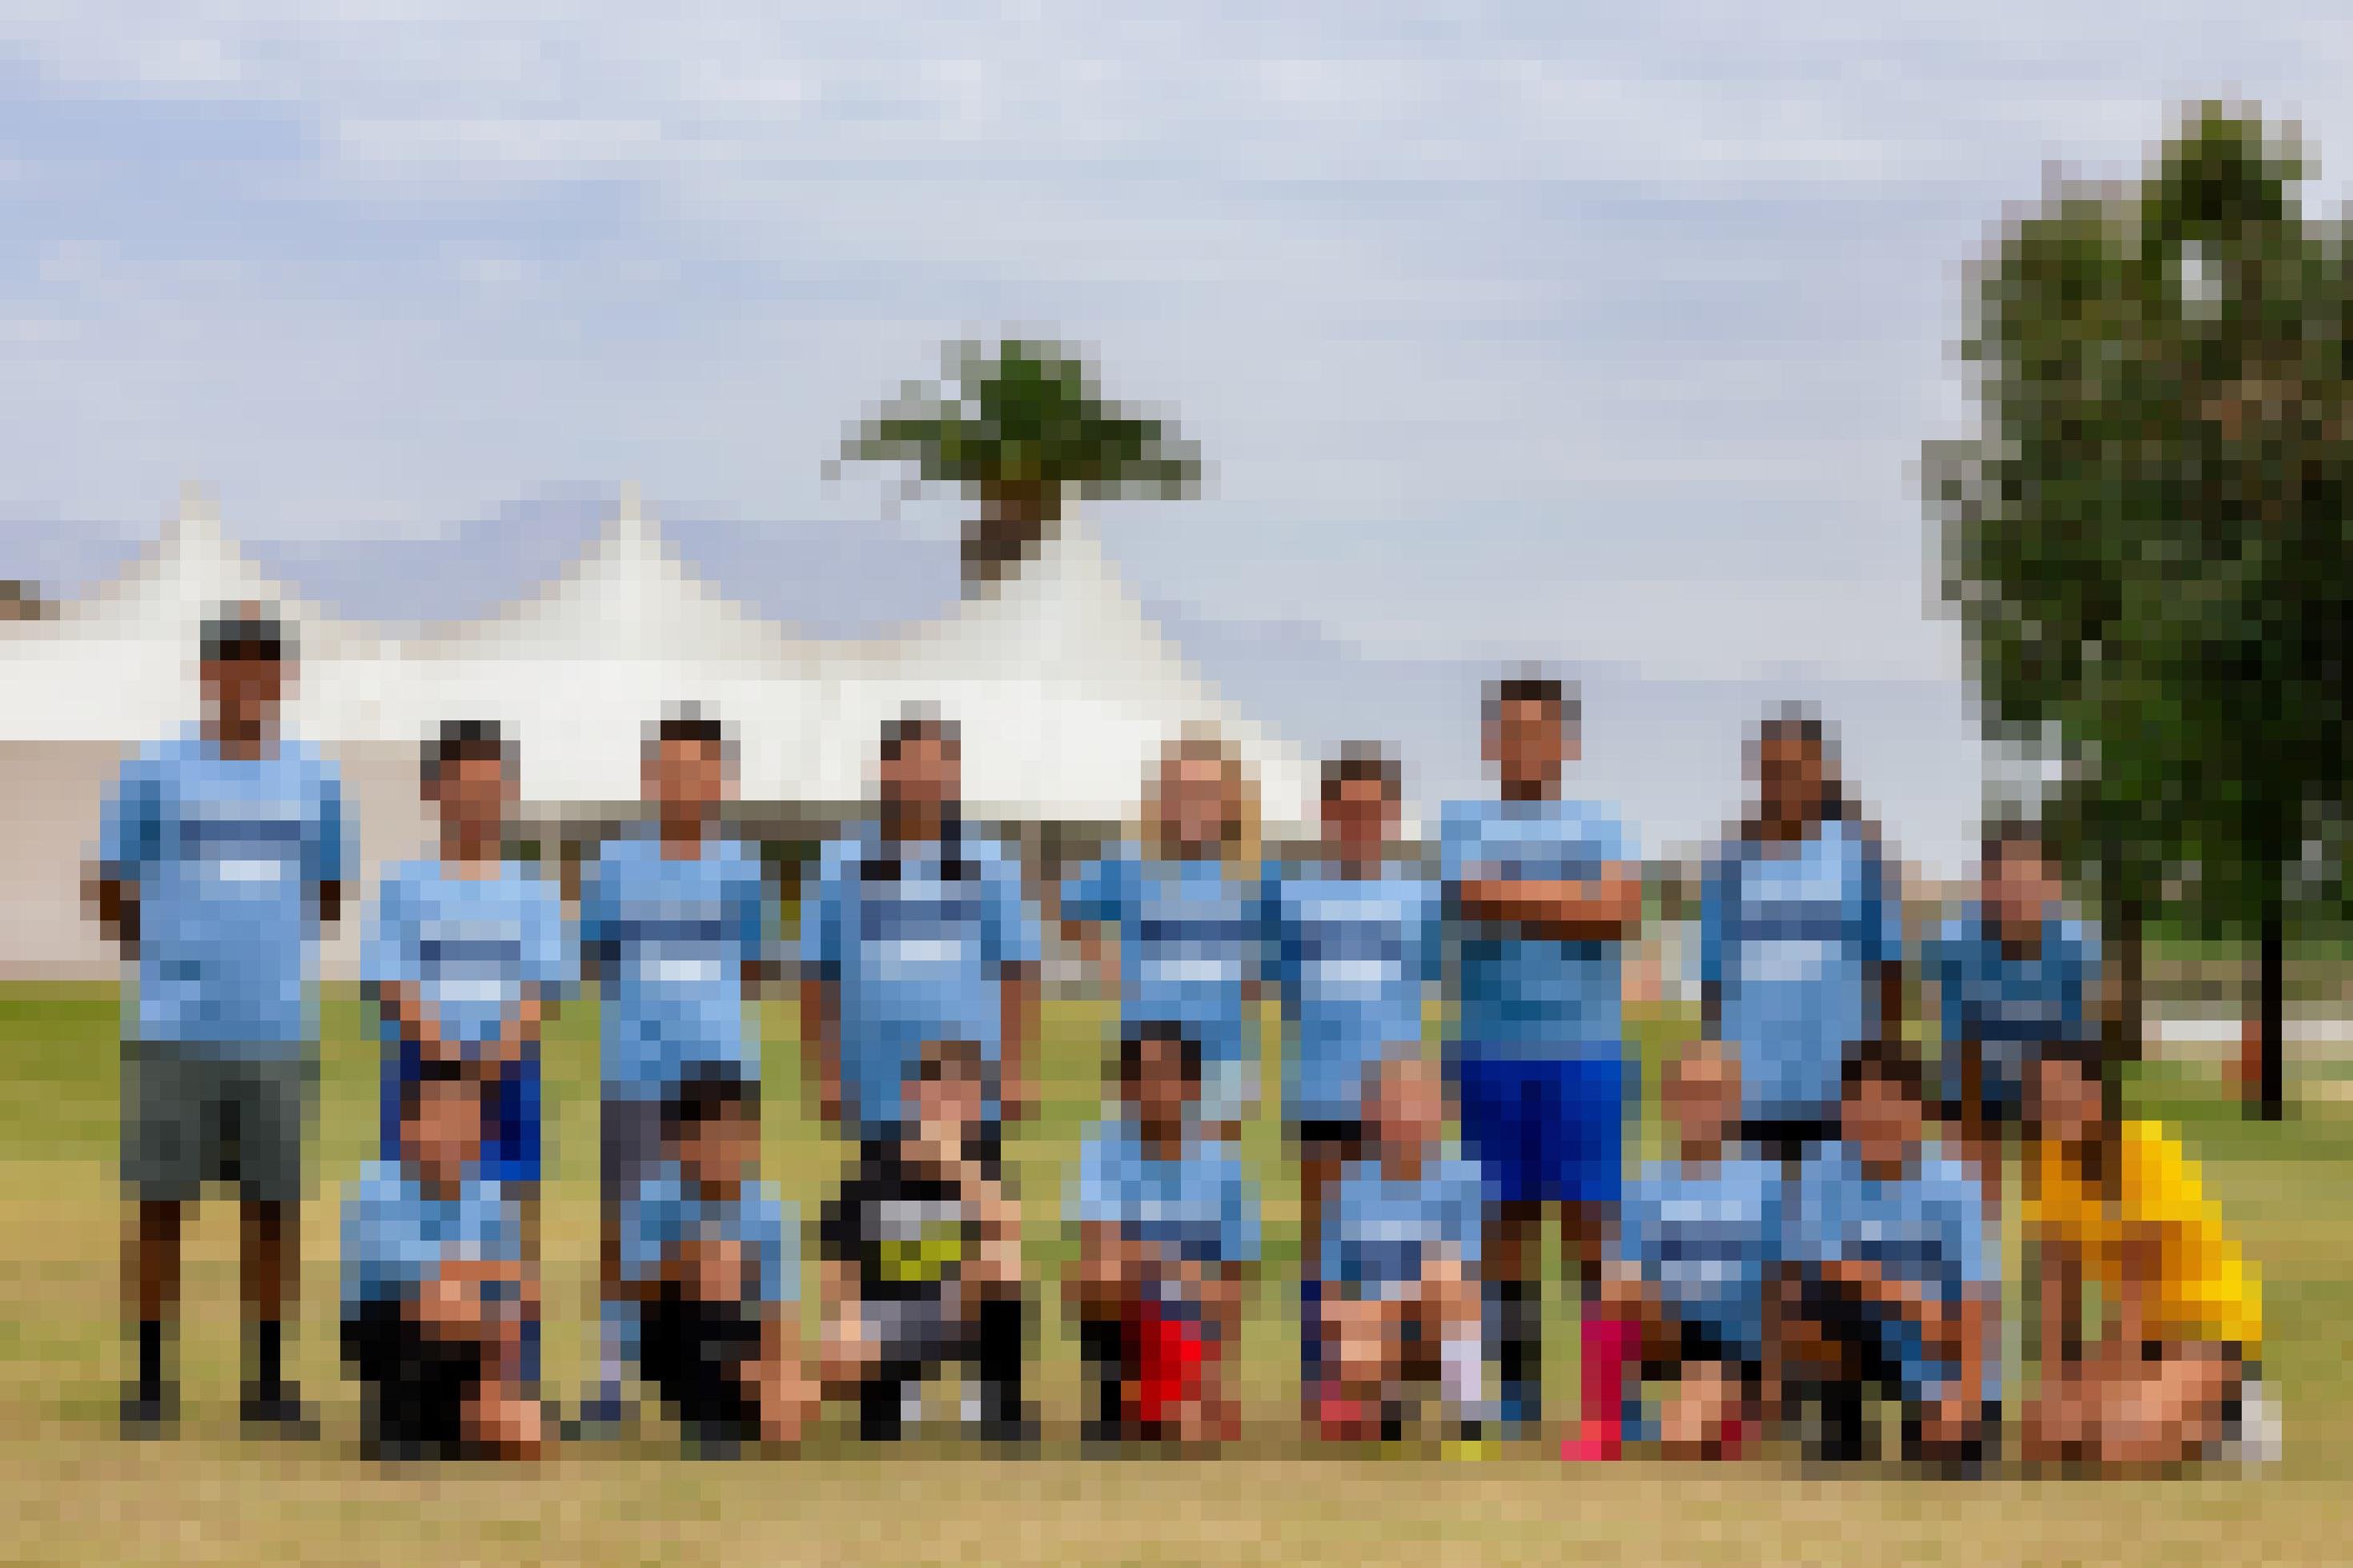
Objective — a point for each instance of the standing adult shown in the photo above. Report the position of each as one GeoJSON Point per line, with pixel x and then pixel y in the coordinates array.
{"type": "Point", "coordinates": [222, 859]}
{"type": "Point", "coordinates": [1542, 893]}
{"type": "Point", "coordinates": [1802, 940]}
{"type": "Point", "coordinates": [914, 928]}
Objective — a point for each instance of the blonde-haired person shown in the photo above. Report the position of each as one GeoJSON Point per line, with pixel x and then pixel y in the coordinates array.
{"type": "Point", "coordinates": [1183, 897]}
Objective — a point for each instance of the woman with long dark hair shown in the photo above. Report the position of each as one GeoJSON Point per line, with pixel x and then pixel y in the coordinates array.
{"type": "Point", "coordinates": [2174, 1370]}
{"type": "Point", "coordinates": [1801, 938]}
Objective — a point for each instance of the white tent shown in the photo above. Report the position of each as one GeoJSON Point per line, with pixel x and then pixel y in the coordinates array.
{"type": "Point", "coordinates": [1064, 690]}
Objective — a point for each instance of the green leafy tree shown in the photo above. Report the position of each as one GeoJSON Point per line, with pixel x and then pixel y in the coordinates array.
{"type": "Point", "coordinates": [1021, 428]}
{"type": "Point", "coordinates": [2147, 543]}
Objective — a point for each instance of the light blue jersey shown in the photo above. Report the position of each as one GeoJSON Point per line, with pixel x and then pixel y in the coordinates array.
{"type": "Point", "coordinates": [667, 1211]}
{"type": "Point", "coordinates": [1197, 1207]}
{"type": "Point", "coordinates": [919, 941]}
{"type": "Point", "coordinates": [1352, 958]}
{"type": "Point", "coordinates": [1927, 1228]}
{"type": "Point", "coordinates": [228, 858]}
{"type": "Point", "coordinates": [1379, 1235]}
{"type": "Point", "coordinates": [397, 1236]}
{"type": "Point", "coordinates": [1789, 934]}
{"type": "Point", "coordinates": [470, 944]}
{"type": "Point", "coordinates": [1529, 997]}
{"type": "Point", "coordinates": [2010, 1003]}
{"type": "Point", "coordinates": [672, 939]}
{"type": "Point", "coordinates": [1190, 936]}
{"type": "Point", "coordinates": [1706, 1240]}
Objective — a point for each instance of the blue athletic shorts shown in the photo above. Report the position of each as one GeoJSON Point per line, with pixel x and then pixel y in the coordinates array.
{"type": "Point", "coordinates": [511, 1131]}
{"type": "Point", "coordinates": [1551, 1130]}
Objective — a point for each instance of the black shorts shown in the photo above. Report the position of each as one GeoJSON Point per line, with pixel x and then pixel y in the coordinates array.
{"type": "Point", "coordinates": [984, 1145]}
{"type": "Point", "coordinates": [414, 1385]}
{"type": "Point", "coordinates": [691, 1352]}
{"type": "Point", "coordinates": [1342, 1137]}
{"type": "Point", "coordinates": [1698, 1343]}
{"type": "Point", "coordinates": [1789, 1139]}
{"type": "Point", "coordinates": [1849, 1322]}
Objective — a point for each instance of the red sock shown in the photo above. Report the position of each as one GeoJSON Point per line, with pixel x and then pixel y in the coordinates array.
{"type": "Point", "coordinates": [1605, 1345]}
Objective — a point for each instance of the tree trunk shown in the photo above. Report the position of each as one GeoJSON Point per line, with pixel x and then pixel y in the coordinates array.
{"type": "Point", "coordinates": [1015, 517]}
{"type": "Point", "coordinates": [2271, 994]}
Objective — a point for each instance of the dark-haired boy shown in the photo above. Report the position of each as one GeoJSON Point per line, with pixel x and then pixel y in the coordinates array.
{"type": "Point", "coordinates": [923, 1260]}
{"type": "Point", "coordinates": [1887, 1283]}
{"type": "Point", "coordinates": [1542, 893]}
{"type": "Point", "coordinates": [437, 1292]}
{"type": "Point", "coordinates": [1167, 1234]}
{"type": "Point", "coordinates": [466, 954]}
{"type": "Point", "coordinates": [708, 1260]}
{"type": "Point", "coordinates": [673, 918]}
{"type": "Point", "coordinates": [221, 861]}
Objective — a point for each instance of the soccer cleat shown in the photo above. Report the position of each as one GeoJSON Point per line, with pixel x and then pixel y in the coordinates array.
{"type": "Point", "coordinates": [278, 1412]}
{"type": "Point", "coordinates": [1519, 1408]}
{"type": "Point", "coordinates": [1467, 1441]}
{"type": "Point", "coordinates": [602, 1416]}
{"type": "Point", "coordinates": [1594, 1445]}
{"type": "Point", "coordinates": [149, 1413]}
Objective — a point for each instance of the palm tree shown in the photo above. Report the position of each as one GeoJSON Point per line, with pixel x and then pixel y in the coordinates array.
{"type": "Point", "coordinates": [1024, 430]}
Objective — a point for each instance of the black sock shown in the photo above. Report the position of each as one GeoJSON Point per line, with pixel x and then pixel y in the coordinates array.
{"type": "Point", "coordinates": [879, 1406]}
{"type": "Point", "coordinates": [1002, 1334]}
{"type": "Point", "coordinates": [1519, 1336]}
{"type": "Point", "coordinates": [1100, 1342]}
{"type": "Point", "coordinates": [269, 1366]}
{"type": "Point", "coordinates": [151, 1358]}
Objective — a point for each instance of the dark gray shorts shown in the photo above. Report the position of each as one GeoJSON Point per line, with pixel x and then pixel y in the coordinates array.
{"type": "Point", "coordinates": [629, 1145]}
{"type": "Point", "coordinates": [192, 1116]}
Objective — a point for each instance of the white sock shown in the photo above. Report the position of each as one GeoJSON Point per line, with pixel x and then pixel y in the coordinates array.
{"type": "Point", "coordinates": [1462, 1371]}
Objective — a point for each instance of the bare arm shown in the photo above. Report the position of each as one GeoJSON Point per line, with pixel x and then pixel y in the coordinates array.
{"type": "Point", "coordinates": [1891, 1002]}
{"type": "Point", "coordinates": [403, 1004]}
{"type": "Point", "coordinates": [821, 1044]}
{"type": "Point", "coordinates": [115, 901]}
{"type": "Point", "coordinates": [2061, 1293]}
{"type": "Point", "coordinates": [1608, 908]}
{"type": "Point", "coordinates": [1017, 997]}
{"type": "Point", "coordinates": [516, 1030]}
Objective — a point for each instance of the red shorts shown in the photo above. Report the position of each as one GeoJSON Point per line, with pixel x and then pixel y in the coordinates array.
{"type": "Point", "coordinates": [1165, 1356]}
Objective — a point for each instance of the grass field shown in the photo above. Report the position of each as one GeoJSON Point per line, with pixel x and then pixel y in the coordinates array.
{"type": "Point", "coordinates": [74, 1493]}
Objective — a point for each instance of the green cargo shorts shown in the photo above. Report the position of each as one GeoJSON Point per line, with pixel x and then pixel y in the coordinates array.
{"type": "Point", "coordinates": [197, 1114]}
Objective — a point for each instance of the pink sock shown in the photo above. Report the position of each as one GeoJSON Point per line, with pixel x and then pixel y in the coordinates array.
{"type": "Point", "coordinates": [1604, 1345]}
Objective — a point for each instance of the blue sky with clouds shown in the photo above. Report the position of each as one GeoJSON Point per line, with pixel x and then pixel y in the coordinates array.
{"type": "Point", "coordinates": [1604, 335]}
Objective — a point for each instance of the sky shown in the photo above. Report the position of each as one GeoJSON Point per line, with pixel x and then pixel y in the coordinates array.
{"type": "Point", "coordinates": [1602, 336]}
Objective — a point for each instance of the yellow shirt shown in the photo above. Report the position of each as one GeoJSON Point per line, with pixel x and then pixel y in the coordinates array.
{"type": "Point", "coordinates": [2204, 1289]}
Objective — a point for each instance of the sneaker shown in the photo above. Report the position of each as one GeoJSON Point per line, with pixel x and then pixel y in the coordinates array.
{"type": "Point", "coordinates": [1467, 1440]}
{"type": "Point", "coordinates": [603, 1415]}
{"type": "Point", "coordinates": [1017, 1430]}
{"type": "Point", "coordinates": [150, 1414]}
{"type": "Point", "coordinates": [1594, 1443]}
{"type": "Point", "coordinates": [278, 1412]}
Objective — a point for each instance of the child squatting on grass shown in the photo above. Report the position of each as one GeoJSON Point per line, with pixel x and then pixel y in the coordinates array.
{"type": "Point", "coordinates": [1169, 1234]}
{"type": "Point", "coordinates": [708, 1259]}
{"type": "Point", "coordinates": [923, 1260]}
{"type": "Point", "coordinates": [1400, 1264]}
{"type": "Point", "coordinates": [437, 1287]}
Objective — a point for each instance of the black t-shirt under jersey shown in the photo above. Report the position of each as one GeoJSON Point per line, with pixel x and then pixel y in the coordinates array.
{"type": "Point", "coordinates": [907, 1233]}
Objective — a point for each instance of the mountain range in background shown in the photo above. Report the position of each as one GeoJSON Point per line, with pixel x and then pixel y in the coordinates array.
{"type": "Point", "coordinates": [1668, 750]}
